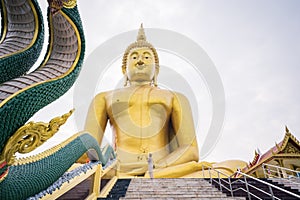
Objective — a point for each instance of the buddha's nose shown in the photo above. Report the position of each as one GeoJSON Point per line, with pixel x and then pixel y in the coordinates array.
{"type": "Point", "coordinates": [140, 62]}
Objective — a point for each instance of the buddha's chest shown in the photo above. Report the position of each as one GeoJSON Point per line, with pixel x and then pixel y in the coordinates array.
{"type": "Point", "coordinates": [139, 103]}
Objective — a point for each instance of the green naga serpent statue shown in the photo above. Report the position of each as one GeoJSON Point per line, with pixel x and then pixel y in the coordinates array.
{"type": "Point", "coordinates": [22, 94]}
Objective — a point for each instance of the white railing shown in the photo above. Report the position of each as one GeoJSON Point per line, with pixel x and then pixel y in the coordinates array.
{"type": "Point", "coordinates": [220, 180]}
{"type": "Point", "coordinates": [282, 175]}
{"type": "Point", "coordinates": [273, 171]}
{"type": "Point", "coordinates": [230, 181]}
{"type": "Point", "coordinates": [271, 186]}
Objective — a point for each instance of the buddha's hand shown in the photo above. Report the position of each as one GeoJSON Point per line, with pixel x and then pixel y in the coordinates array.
{"type": "Point", "coordinates": [160, 164]}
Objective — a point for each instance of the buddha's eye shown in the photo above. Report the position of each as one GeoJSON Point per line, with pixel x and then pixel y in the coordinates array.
{"type": "Point", "coordinates": [147, 56]}
{"type": "Point", "coordinates": [134, 57]}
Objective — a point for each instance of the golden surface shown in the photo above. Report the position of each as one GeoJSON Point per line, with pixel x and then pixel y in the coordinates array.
{"type": "Point", "coordinates": [146, 119]}
{"type": "Point", "coordinates": [30, 136]}
{"type": "Point", "coordinates": [4, 28]}
{"type": "Point", "coordinates": [284, 154]}
{"type": "Point", "coordinates": [44, 154]}
{"type": "Point", "coordinates": [142, 119]}
{"type": "Point", "coordinates": [70, 3]}
{"type": "Point", "coordinates": [59, 4]}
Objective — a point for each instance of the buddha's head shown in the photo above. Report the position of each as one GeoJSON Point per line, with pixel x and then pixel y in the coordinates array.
{"type": "Point", "coordinates": [140, 61]}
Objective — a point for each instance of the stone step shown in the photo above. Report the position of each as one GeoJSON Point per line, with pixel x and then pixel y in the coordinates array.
{"type": "Point", "coordinates": [154, 186]}
{"type": "Point", "coordinates": [180, 198]}
{"type": "Point", "coordinates": [173, 193]}
{"type": "Point", "coordinates": [151, 190]}
{"type": "Point", "coordinates": [173, 189]}
{"type": "Point", "coordinates": [292, 183]}
{"type": "Point", "coordinates": [177, 196]}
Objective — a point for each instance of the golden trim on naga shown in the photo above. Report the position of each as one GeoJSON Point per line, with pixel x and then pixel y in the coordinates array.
{"type": "Point", "coordinates": [36, 30]}
{"type": "Point", "coordinates": [47, 58]}
{"type": "Point", "coordinates": [4, 28]}
{"type": "Point", "coordinates": [4, 175]}
{"type": "Point", "coordinates": [70, 3]}
{"type": "Point", "coordinates": [30, 136]}
{"type": "Point", "coordinates": [59, 4]}
{"type": "Point", "coordinates": [47, 153]}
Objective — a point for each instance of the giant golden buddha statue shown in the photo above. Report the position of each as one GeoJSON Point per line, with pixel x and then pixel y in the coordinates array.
{"type": "Point", "coordinates": [146, 119]}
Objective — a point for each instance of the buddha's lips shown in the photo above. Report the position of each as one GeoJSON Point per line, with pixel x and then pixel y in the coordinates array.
{"type": "Point", "coordinates": [141, 66]}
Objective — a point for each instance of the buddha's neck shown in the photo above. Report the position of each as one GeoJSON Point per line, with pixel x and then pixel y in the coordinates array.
{"type": "Point", "coordinates": [139, 83]}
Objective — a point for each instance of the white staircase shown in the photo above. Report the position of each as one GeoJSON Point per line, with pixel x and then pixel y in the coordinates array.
{"type": "Point", "coordinates": [293, 183]}
{"type": "Point", "coordinates": [184, 188]}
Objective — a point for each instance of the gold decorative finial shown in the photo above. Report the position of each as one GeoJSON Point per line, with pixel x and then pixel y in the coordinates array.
{"type": "Point", "coordinates": [277, 146]}
{"type": "Point", "coordinates": [141, 35]}
{"type": "Point", "coordinates": [286, 129]}
{"type": "Point", "coordinates": [30, 136]}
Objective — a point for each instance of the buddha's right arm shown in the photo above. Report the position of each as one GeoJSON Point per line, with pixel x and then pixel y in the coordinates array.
{"type": "Point", "coordinates": [96, 119]}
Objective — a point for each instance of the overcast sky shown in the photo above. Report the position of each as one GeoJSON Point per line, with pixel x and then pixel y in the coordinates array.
{"type": "Point", "coordinates": [254, 45]}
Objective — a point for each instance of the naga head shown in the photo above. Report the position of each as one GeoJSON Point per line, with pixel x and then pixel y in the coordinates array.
{"type": "Point", "coordinates": [56, 5]}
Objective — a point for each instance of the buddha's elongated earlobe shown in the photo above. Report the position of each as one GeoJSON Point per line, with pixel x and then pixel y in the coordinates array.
{"type": "Point", "coordinates": [154, 81]}
{"type": "Point", "coordinates": [125, 80]}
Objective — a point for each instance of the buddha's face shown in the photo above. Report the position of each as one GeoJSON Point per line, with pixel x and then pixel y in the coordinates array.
{"type": "Point", "coordinates": [140, 65]}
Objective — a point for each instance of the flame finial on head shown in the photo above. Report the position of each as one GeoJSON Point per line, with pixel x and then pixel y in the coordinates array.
{"type": "Point", "coordinates": [141, 35]}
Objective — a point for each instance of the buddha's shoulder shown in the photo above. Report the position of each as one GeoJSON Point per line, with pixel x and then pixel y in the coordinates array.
{"type": "Point", "coordinates": [170, 93]}
{"type": "Point", "coordinates": [101, 95]}
{"type": "Point", "coordinates": [111, 93]}
{"type": "Point", "coordinates": [163, 91]}
{"type": "Point", "coordinates": [153, 91]}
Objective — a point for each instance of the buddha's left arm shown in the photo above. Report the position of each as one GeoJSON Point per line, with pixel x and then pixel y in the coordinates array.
{"type": "Point", "coordinates": [183, 125]}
